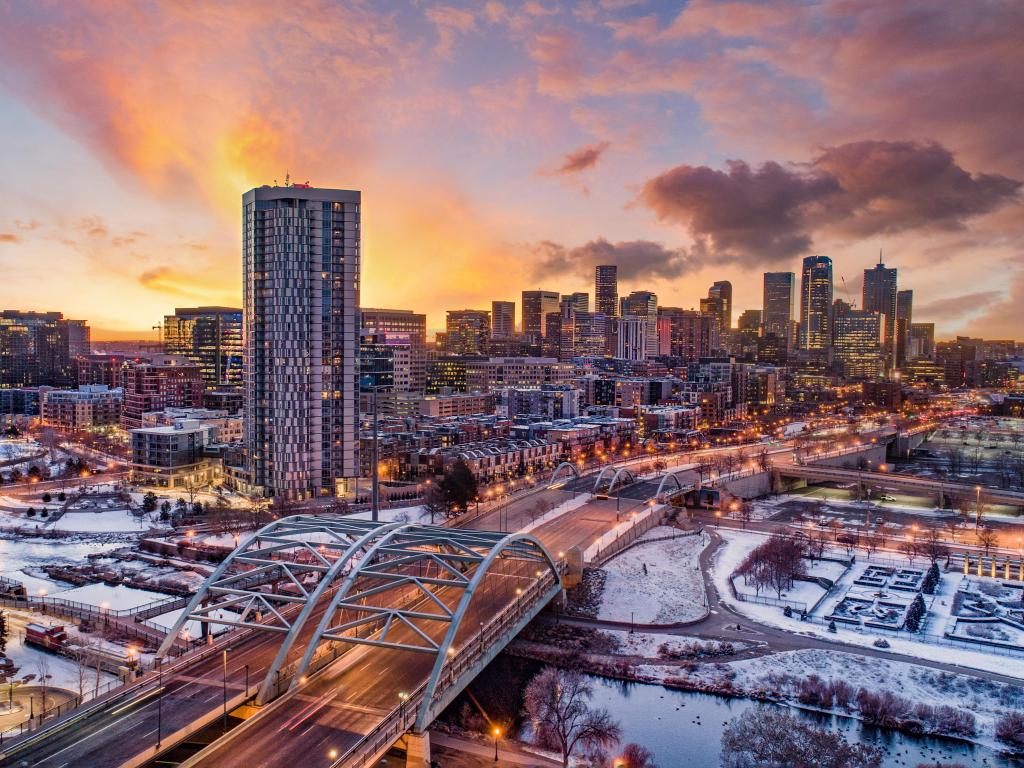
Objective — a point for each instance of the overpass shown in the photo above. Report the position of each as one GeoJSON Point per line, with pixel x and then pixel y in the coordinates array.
{"type": "Point", "coordinates": [364, 631]}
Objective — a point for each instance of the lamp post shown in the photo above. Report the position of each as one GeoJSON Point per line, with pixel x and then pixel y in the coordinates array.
{"type": "Point", "coordinates": [159, 702]}
{"type": "Point", "coordinates": [225, 678]}
{"type": "Point", "coordinates": [403, 697]}
{"type": "Point", "coordinates": [977, 506]}
{"type": "Point", "coordinates": [497, 735]}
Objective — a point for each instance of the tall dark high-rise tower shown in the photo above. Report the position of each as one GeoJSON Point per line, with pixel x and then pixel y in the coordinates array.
{"type": "Point", "coordinates": [777, 306]}
{"type": "Point", "coordinates": [880, 296]}
{"type": "Point", "coordinates": [904, 319]}
{"type": "Point", "coordinates": [537, 305]}
{"type": "Point", "coordinates": [606, 290]}
{"type": "Point", "coordinates": [211, 337]}
{"type": "Point", "coordinates": [301, 253]}
{"type": "Point", "coordinates": [721, 293]}
{"type": "Point", "coordinates": [503, 319]}
{"type": "Point", "coordinates": [815, 329]}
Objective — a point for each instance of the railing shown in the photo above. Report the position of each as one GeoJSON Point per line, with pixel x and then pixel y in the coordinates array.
{"type": "Point", "coordinates": [398, 721]}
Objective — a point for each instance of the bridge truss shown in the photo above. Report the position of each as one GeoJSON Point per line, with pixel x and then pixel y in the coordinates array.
{"type": "Point", "coordinates": [399, 586]}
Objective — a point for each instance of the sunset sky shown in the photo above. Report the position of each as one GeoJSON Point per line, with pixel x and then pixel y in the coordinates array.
{"type": "Point", "coordinates": [501, 146]}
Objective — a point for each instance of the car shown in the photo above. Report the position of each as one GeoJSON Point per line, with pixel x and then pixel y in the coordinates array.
{"type": "Point", "coordinates": [882, 643]}
{"type": "Point", "coordinates": [886, 497]}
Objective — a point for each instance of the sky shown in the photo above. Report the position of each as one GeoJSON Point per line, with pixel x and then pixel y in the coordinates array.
{"type": "Point", "coordinates": [503, 146]}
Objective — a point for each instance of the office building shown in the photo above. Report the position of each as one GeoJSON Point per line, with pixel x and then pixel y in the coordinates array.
{"type": "Point", "coordinates": [301, 257]}
{"type": "Point", "coordinates": [857, 343]}
{"type": "Point", "coordinates": [503, 319]}
{"type": "Point", "coordinates": [904, 319]}
{"type": "Point", "coordinates": [777, 305]}
{"type": "Point", "coordinates": [467, 331]}
{"type": "Point", "coordinates": [606, 290]}
{"type": "Point", "coordinates": [211, 337]}
{"type": "Point", "coordinates": [485, 375]}
{"type": "Point", "coordinates": [750, 320]}
{"type": "Point", "coordinates": [157, 383]}
{"type": "Point", "coordinates": [922, 341]}
{"type": "Point", "coordinates": [720, 296]}
{"type": "Point", "coordinates": [643, 304]}
{"type": "Point", "coordinates": [39, 348]}
{"type": "Point", "coordinates": [398, 328]}
{"type": "Point", "coordinates": [880, 296]}
{"type": "Point", "coordinates": [631, 338]}
{"type": "Point", "coordinates": [815, 329]}
{"type": "Point", "coordinates": [537, 305]}
{"type": "Point", "coordinates": [580, 302]}
{"type": "Point", "coordinates": [686, 334]}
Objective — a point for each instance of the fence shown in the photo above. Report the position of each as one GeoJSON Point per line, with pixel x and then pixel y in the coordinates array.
{"type": "Point", "coordinates": [624, 533]}
{"type": "Point", "coordinates": [778, 602]}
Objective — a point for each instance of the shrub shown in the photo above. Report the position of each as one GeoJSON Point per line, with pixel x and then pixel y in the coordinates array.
{"type": "Point", "coordinates": [47, 498]}
{"type": "Point", "coordinates": [884, 708]}
{"type": "Point", "coordinates": [1010, 729]}
{"type": "Point", "coordinates": [30, 512]}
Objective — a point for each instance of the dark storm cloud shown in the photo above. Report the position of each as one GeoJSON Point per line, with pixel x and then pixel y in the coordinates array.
{"type": "Point", "coordinates": [862, 188]}
{"type": "Point", "coordinates": [635, 259]}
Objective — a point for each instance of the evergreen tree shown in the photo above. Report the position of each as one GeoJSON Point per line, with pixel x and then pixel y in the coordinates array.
{"type": "Point", "coordinates": [149, 502]}
{"type": "Point", "coordinates": [459, 486]}
{"type": "Point", "coordinates": [915, 614]}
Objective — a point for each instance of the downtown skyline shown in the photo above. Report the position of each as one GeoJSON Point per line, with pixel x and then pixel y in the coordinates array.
{"type": "Point", "coordinates": [500, 137]}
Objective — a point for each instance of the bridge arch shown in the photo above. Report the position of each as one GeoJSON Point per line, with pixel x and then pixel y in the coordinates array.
{"type": "Point", "coordinates": [669, 476]}
{"type": "Point", "coordinates": [564, 465]}
{"type": "Point", "coordinates": [447, 645]}
{"type": "Point", "coordinates": [600, 476]}
{"type": "Point", "coordinates": [615, 478]}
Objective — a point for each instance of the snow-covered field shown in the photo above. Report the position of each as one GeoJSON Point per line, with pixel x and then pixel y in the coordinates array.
{"type": "Point", "coordinates": [671, 590]}
{"type": "Point", "coordinates": [106, 521]}
{"type": "Point", "coordinates": [16, 449]}
{"type": "Point", "coordinates": [116, 598]}
{"type": "Point", "coordinates": [987, 700]}
{"type": "Point", "coordinates": [21, 559]}
{"type": "Point", "coordinates": [739, 543]}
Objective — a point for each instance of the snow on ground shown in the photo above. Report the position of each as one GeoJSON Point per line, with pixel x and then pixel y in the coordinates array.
{"type": "Point", "coordinates": [64, 672]}
{"type": "Point", "coordinates": [21, 559]}
{"type": "Point", "coordinates": [415, 514]}
{"type": "Point", "coordinates": [194, 628]}
{"type": "Point", "coordinates": [117, 598]}
{"type": "Point", "coordinates": [16, 449]}
{"type": "Point", "coordinates": [671, 590]}
{"type": "Point", "coordinates": [987, 700]}
{"type": "Point", "coordinates": [106, 521]}
{"type": "Point", "coordinates": [738, 543]}
{"type": "Point", "coordinates": [646, 644]}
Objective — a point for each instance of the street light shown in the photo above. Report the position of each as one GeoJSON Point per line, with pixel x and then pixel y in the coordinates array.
{"type": "Point", "coordinates": [497, 735]}
{"type": "Point", "coordinates": [225, 668]}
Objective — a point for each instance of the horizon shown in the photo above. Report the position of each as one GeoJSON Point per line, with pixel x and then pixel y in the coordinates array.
{"type": "Point", "coordinates": [705, 142]}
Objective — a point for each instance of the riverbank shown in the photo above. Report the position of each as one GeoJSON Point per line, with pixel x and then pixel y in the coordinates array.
{"type": "Point", "coordinates": [892, 694]}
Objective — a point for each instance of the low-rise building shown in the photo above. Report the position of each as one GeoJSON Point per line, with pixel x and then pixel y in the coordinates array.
{"type": "Point", "coordinates": [91, 406]}
{"type": "Point", "coordinates": [226, 428]}
{"type": "Point", "coordinates": [174, 456]}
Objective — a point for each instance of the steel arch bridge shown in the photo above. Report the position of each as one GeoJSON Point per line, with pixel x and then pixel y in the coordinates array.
{"type": "Point", "coordinates": [616, 474]}
{"type": "Point", "coordinates": [558, 471]}
{"type": "Point", "coordinates": [399, 586]}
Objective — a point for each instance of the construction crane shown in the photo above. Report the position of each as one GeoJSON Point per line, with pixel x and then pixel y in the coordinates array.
{"type": "Point", "coordinates": [846, 289]}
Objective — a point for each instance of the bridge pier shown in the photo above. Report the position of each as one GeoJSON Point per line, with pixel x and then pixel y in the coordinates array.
{"type": "Point", "coordinates": [417, 750]}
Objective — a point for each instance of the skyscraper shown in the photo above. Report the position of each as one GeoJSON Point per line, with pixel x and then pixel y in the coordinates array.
{"type": "Point", "coordinates": [815, 329]}
{"type": "Point", "coordinates": [777, 312]}
{"type": "Point", "coordinates": [904, 319]}
{"type": "Point", "coordinates": [722, 291]}
{"type": "Point", "coordinates": [467, 331]}
{"type": "Point", "coordinates": [644, 304]}
{"type": "Point", "coordinates": [537, 305]}
{"type": "Point", "coordinates": [301, 253]}
{"type": "Point", "coordinates": [211, 337]}
{"type": "Point", "coordinates": [503, 319]}
{"type": "Point", "coordinates": [857, 342]}
{"type": "Point", "coordinates": [880, 296]}
{"type": "Point", "coordinates": [580, 301]}
{"type": "Point", "coordinates": [606, 290]}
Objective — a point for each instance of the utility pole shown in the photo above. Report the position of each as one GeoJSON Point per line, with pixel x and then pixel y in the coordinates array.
{"type": "Point", "coordinates": [375, 490]}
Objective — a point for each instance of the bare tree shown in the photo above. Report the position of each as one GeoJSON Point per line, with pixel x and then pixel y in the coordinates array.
{"type": "Point", "coordinates": [987, 538]}
{"type": "Point", "coordinates": [932, 545]}
{"type": "Point", "coordinates": [953, 525]}
{"type": "Point", "coordinates": [745, 512]}
{"type": "Point", "coordinates": [911, 549]}
{"type": "Point", "coordinates": [557, 701]}
{"type": "Point", "coordinates": [43, 673]}
{"type": "Point", "coordinates": [776, 563]}
{"type": "Point", "coordinates": [771, 737]}
{"type": "Point", "coordinates": [434, 502]}
{"type": "Point", "coordinates": [636, 756]}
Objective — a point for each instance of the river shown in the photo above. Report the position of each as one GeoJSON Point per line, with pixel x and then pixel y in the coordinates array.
{"type": "Point", "coordinates": [684, 730]}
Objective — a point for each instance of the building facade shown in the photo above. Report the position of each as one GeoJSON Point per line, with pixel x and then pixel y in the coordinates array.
{"type": "Point", "coordinates": [815, 330]}
{"type": "Point", "coordinates": [211, 337]}
{"type": "Point", "coordinates": [879, 295]}
{"type": "Point", "coordinates": [301, 259]}
{"type": "Point", "coordinates": [468, 331]}
{"type": "Point", "coordinates": [777, 305]}
{"type": "Point", "coordinates": [606, 290]}
{"type": "Point", "coordinates": [503, 319]}
{"type": "Point", "coordinates": [39, 348]}
{"type": "Point", "coordinates": [91, 406]}
{"type": "Point", "coordinates": [537, 305]}
{"type": "Point", "coordinates": [162, 381]}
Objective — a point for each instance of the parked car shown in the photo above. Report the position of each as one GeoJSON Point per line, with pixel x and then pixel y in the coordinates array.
{"type": "Point", "coordinates": [882, 643]}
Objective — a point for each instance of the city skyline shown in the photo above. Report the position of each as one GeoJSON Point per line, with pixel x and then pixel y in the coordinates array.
{"type": "Point", "coordinates": [602, 159]}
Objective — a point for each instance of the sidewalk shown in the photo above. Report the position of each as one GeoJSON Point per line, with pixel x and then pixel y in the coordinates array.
{"type": "Point", "coordinates": [467, 753]}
